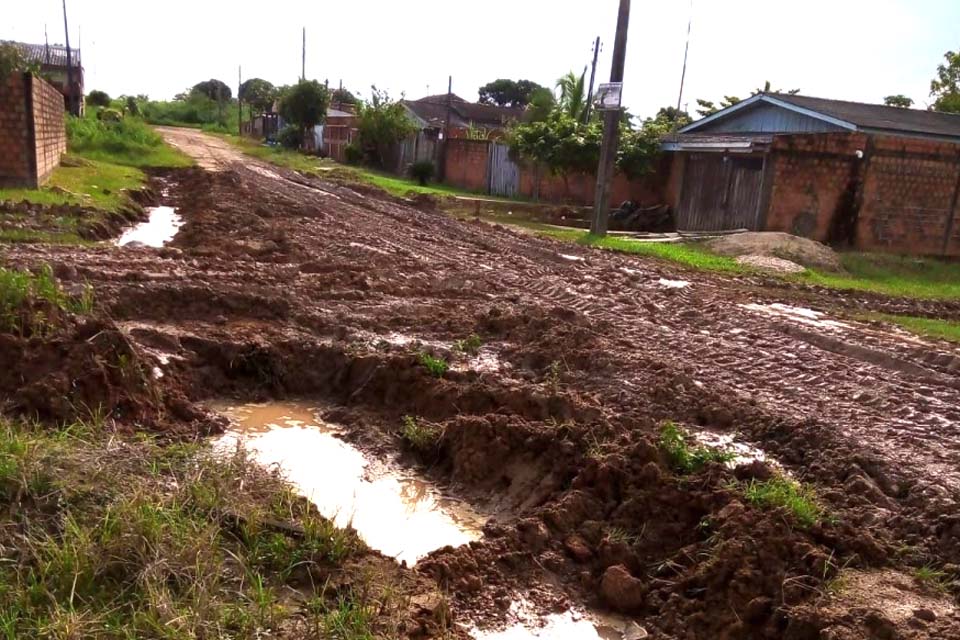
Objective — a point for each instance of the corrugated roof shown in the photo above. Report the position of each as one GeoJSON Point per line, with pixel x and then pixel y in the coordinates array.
{"type": "Point", "coordinates": [433, 109]}
{"type": "Point", "coordinates": [871, 118]}
{"type": "Point", "coordinates": [54, 55]}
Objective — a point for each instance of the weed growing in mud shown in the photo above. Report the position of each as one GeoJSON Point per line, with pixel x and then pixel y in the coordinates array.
{"type": "Point", "coordinates": [932, 577]}
{"type": "Point", "coordinates": [436, 366]}
{"type": "Point", "coordinates": [687, 458]}
{"type": "Point", "coordinates": [419, 435]}
{"type": "Point", "coordinates": [471, 344]}
{"type": "Point", "coordinates": [20, 290]}
{"type": "Point", "coordinates": [125, 537]}
{"type": "Point", "coordinates": [780, 492]}
{"type": "Point", "coordinates": [552, 377]}
{"type": "Point", "coordinates": [618, 535]}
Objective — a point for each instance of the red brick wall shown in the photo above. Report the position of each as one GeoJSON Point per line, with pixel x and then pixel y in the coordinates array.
{"type": "Point", "coordinates": [466, 164]}
{"type": "Point", "coordinates": [902, 190]}
{"type": "Point", "coordinates": [25, 161]}
{"type": "Point", "coordinates": [15, 169]}
{"type": "Point", "coordinates": [50, 134]}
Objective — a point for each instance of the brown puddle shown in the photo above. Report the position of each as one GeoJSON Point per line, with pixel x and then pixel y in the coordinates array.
{"type": "Point", "coordinates": [570, 625]}
{"type": "Point", "coordinates": [393, 511]}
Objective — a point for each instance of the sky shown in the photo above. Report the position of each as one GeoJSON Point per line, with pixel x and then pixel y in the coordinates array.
{"type": "Point", "coordinates": [858, 50]}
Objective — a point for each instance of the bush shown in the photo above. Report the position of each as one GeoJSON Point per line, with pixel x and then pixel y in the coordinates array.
{"type": "Point", "coordinates": [422, 171]}
{"type": "Point", "coordinates": [109, 115]}
{"type": "Point", "coordinates": [352, 154]}
{"type": "Point", "coordinates": [98, 99]}
{"type": "Point", "coordinates": [290, 137]}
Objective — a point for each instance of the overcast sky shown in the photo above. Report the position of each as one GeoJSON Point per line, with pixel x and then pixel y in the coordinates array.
{"type": "Point", "coordinates": [848, 49]}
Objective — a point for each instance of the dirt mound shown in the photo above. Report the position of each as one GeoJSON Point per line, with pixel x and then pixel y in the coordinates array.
{"type": "Point", "coordinates": [803, 251]}
{"type": "Point", "coordinates": [770, 264]}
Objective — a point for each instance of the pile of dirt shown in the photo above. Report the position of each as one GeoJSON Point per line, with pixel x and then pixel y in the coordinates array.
{"type": "Point", "coordinates": [802, 251]}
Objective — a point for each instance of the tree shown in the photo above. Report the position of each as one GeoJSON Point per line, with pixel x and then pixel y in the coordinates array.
{"type": "Point", "coordinates": [768, 89]}
{"type": "Point", "coordinates": [673, 118]}
{"type": "Point", "coordinates": [305, 105]}
{"type": "Point", "coordinates": [542, 103]}
{"type": "Point", "coordinates": [946, 86]}
{"type": "Point", "coordinates": [132, 107]}
{"type": "Point", "coordinates": [258, 93]}
{"type": "Point", "coordinates": [508, 93]}
{"type": "Point", "coordinates": [573, 94]}
{"type": "Point", "coordinates": [343, 96]}
{"type": "Point", "coordinates": [381, 123]}
{"type": "Point", "coordinates": [213, 89]}
{"type": "Point", "coordinates": [708, 108]}
{"type": "Point", "coordinates": [898, 100]}
{"type": "Point", "coordinates": [12, 60]}
{"type": "Point", "coordinates": [98, 99]}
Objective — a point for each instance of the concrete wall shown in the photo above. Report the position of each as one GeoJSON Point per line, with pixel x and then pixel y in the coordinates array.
{"type": "Point", "coordinates": [32, 131]}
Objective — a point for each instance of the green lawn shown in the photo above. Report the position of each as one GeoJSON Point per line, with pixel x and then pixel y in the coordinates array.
{"type": "Point", "coordinates": [85, 182]}
{"type": "Point", "coordinates": [893, 275]}
{"type": "Point", "coordinates": [926, 327]}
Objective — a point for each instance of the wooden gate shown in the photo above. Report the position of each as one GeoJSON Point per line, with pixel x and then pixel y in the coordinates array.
{"type": "Point", "coordinates": [503, 172]}
{"type": "Point", "coordinates": [721, 193]}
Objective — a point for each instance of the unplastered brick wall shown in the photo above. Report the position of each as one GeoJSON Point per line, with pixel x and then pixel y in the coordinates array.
{"type": "Point", "coordinates": [910, 196]}
{"type": "Point", "coordinates": [50, 135]}
{"type": "Point", "coordinates": [32, 132]}
{"type": "Point", "coordinates": [15, 167]}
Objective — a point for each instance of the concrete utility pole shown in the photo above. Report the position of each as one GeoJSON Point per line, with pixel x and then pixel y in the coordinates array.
{"type": "Point", "coordinates": [303, 68]}
{"type": "Point", "coordinates": [593, 77]}
{"type": "Point", "coordinates": [442, 169]}
{"type": "Point", "coordinates": [239, 101]}
{"type": "Point", "coordinates": [72, 105]}
{"type": "Point", "coordinates": [611, 128]}
{"type": "Point", "coordinates": [686, 53]}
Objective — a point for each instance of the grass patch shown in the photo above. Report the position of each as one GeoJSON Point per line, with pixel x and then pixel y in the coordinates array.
{"type": "Point", "coordinates": [419, 435]}
{"type": "Point", "coordinates": [29, 301]}
{"type": "Point", "coordinates": [783, 493]}
{"type": "Point", "coordinates": [932, 577]}
{"type": "Point", "coordinates": [437, 367]}
{"type": "Point", "coordinates": [120, 537]}
{"type": "Point", "coordinates": [89, 183]}
{"type": "Point", "coordinates": [688, 458]}
{"type": "Point", "coordinates": [926, 327]}
{"type": "Point", "coordinates": [129, 142]}
{"type": "Point", "coordinates": [471, 344]}
{"type": "Point", "coordinates": [893, 275]}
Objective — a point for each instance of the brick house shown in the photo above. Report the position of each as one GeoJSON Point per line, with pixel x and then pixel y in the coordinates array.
{"type": "Point", "coordinates": [467, 119]}
{"type": "Point", "coordinates": [32, 132]}
{"type": "Point", "coordinates": [847, 173]}
{"type": "Point", "coordinates": [51, 59]}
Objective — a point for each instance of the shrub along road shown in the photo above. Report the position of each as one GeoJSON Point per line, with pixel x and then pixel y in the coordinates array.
{"type": "Point", "coordinates": [281, 284]}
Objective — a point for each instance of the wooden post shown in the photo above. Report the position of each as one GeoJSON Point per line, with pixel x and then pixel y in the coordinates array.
{"type": "Point", "coordinates": [593, 77]}
{"type": "Point", "coordinates": [72, 103]}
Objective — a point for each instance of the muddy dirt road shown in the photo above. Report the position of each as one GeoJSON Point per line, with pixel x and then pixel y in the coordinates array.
{"type": "Point", "coordinates": [279, 284]}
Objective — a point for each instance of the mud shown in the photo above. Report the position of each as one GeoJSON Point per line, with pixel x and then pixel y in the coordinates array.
{"type": "Point", "coordinates": [273, 288]}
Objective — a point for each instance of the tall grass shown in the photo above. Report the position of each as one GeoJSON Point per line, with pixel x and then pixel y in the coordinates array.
{"type": "Point", "coordinates": [20, 291]}
{"type": "Point", "coordinates": [128, 142]}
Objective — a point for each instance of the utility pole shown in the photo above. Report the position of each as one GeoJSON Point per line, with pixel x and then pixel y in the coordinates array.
{"type": "Point", "coordinates": [303, 68]}
{"type": "Point", "coordinates": [239, 100]}
{"type": "Point", "coordinates": [611, 127]}
{"type": "Point", "coordinates": [442, 169]}
{"type": "Point", "coordinates": [686, 52]}
{"type": "Point", "coordinates": [593, 76]}
{"type": "Point", "coordinates": [71, 101]}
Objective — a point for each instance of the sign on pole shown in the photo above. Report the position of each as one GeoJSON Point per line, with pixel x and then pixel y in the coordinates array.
{"type": "Point", "coordinates": [610, 96]}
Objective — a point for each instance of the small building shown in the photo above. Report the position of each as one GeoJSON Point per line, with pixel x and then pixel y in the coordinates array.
{"type": "Point", "coordinates": [467, 119]}
{"type": "Point", "coordinates": [847, 173]}
{"type": "Point", "coordinates": [52, 62]}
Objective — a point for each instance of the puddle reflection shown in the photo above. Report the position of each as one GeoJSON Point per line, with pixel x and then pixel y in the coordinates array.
{"type": "Point", "coordinates": [158, 230]}
{"type": "Point", "coordinates": [395, 513]}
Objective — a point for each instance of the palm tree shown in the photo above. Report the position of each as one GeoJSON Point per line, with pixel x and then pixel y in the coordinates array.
{"type": "Point", "coordinates": [573, 95]}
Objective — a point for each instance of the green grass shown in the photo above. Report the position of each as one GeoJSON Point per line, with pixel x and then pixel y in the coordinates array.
{"type": "Point", "coordinates": [926, 327]}
{"type": "Point", "coordinates": [800, 501]}
{"type": "Point", "coordinates": [28, 300]}
{"type": "Point", "coordinates": [685, 457]}
{"type": "Point", "coordinates": [932, 577]}
{"type": "Point", "coordinates": [471, 344]}
{"type": "Point", "coordinates": [893, 275]}
{"type": "Point", "coordinates": [419, 435]}
{"type": "Point", "coordinates": [436, 366]}
{"type": "Point", "coordinates": [83, 182]}
{"type": "Point", "coordinates": [119, 537]}
{"type": "Point", "coordinates": [129, 142]}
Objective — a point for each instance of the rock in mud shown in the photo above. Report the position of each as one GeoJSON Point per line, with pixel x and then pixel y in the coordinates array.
{"type": "Point", "coordinates": [622, 591]}
{"type": "Point", "coordinates": [578, 548]}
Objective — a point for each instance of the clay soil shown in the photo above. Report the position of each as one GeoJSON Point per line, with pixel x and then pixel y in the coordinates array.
{"type": "Point", "coordinates": [280, 285]}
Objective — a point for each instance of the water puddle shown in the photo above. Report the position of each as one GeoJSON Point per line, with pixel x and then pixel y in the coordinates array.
{"type": "Point", "coordinates": [157, 231]}
{"type": "Point", "coordinates": [743, 453]}
{"type": "Point", "coordinates": [673, 284]}
{"type": "Point", "coordinates": [570, 625]}
{"type": "Point", "coordinates": [797, 314]}
{"type": "Point", "coordinates": [393, 511]}
{"type": "Point", "coordinates": [572, 258]}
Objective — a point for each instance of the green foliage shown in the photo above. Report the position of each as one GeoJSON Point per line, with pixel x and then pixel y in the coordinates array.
{"type": "Point", "coordinates": [508, 93]}
{"type": "Point", "coordinates": [422, 171]}
{"type": "Point", "coordinates": [470, 344]}
{"type": "Point", "coordinates": [708, 108]}
{"type": "Point", "coordinates": [436, 366]}
{"type": "Point", "coordinates": [927, 327]}
{"type": "Point", "coordinates": [573, 95]}
{"type": "Point", "coordinates": [191, 109]}
{"type": "Point", "coordinates": [128, 141]}
{"type": "Point", "coordinates": [381, 123]}
{"type": "Point", "coordinates": [542, 103]}
{"type": "Point", "coordinates": [783, 493]}
{"type": "Point", "coordinates": [12, 60]}
{"type": "Point", "coordinates": [28, 299]}
{"type": "Point", "coordinates": [934, 578]}
{"type": "Point", "coordinates": [98, 99]}
{"type": "Point", "coordinates": [946, 86]}
{"type": "Point", "coordinates": [343, 96]}
{"type": "Point", "coordinates": [353, 154]}
{"type": "Point", "coordinates": [214, 89]}
{"type": "Point", "coordinates": [131, 106]}
{"type": "Point", "coordinates": [687, 458]}
{"type": "Point", "coordinates": [898, 100]}
{"type": "Point", "coordinates": [305, 104]}
{"type": "Point", "coordinates": [258, 93]}
{"type": "Point", "coordinates": [421, 436]}
{"type": "Point", "coordinates": [109, 115]}
{"type": "Point", "coordinates": [290, 137]}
